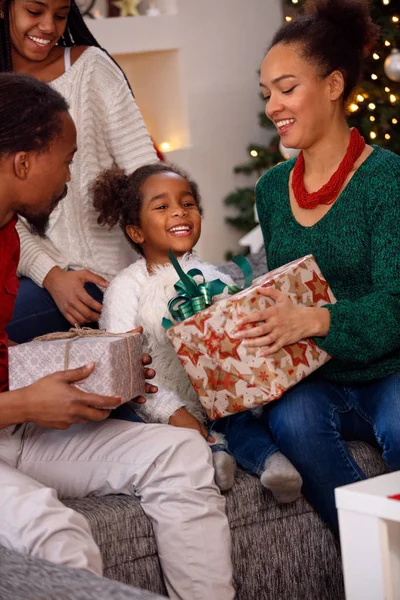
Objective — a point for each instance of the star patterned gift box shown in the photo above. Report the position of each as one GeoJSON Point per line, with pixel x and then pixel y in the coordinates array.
{"type": "Point", "coordinates": [118, 360]}
{"type": "Point", "coordinates": [227, 376]}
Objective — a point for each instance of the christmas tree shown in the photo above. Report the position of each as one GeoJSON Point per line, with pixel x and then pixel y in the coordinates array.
{"type": "Point", "coordinates": [374, 108]}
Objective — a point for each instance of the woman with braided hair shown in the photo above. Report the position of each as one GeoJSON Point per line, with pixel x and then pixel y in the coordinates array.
{"type": "Point", "coordinates": [63, 272]}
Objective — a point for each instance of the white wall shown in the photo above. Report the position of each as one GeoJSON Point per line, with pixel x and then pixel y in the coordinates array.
{"type": "Point", "coordinates": [207, 100]}
{"type": "Point", "coordinates": [223, 45]}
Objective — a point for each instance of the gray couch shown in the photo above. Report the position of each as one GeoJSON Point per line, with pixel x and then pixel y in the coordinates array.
{"type": "Point", "coordinates": [280, 552]}
{"type": "Point", "coordinates": [25, 578]}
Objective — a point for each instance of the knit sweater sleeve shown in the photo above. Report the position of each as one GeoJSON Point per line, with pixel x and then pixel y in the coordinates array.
{"type": "Point", "coordinates": [129, 141]}
{"type": "Point", "coordinates": [368, 328]}
{"type": "Point", "coordinates": [38, 256]}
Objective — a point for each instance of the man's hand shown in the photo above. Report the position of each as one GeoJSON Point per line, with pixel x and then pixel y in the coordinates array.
{"type": "Point", "coordinates": [53, 402]}
{"type": "Point", "coordinates": [68, 292]}
{"type": "Point", "coordinates": [183, 418]}
{"type": "Point", "coordinates": [148, 373]}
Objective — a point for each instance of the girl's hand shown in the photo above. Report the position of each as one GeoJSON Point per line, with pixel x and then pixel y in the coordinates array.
{"type": "Point", "coordinates": [183, 418]}
{"type": "Point", "coordinates": [282, 324]}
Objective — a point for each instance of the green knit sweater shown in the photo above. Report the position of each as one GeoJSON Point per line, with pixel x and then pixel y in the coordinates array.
{"type": "Point", "coordinates": [357, 247]}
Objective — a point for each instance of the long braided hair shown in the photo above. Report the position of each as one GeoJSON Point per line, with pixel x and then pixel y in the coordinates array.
{"type": "Point", "coordinates": [76, 34]}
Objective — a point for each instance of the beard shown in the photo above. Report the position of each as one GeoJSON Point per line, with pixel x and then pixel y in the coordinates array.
{"type": "Point", "coordinates": [38, 223]}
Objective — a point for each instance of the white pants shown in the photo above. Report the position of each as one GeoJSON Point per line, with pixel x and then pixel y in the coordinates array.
{"type": "Point", "coordinates": [169, 468]}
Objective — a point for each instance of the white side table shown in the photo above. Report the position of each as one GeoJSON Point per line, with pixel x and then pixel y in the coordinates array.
{"type": "Point", "coordinates": [369, 525]}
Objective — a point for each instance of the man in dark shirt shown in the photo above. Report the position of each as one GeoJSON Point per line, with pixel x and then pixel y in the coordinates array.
{"type": "Point", "coordinates": [64, 442]}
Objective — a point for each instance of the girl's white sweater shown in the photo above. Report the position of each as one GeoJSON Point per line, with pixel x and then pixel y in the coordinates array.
{"type": "Point", "coordinates": [110, 130]}
{"type": "Point", "coordinates": [136, 298]}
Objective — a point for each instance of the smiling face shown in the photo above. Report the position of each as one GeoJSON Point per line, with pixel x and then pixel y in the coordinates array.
{"type": "Point", "coordinates": [299, 102]}
{"type": "Point", "coordinates": [169, 218]}
{"type": "Point", "coordinates": [42, 177]}
{"type": "Point", "coordinates": [36, 26]}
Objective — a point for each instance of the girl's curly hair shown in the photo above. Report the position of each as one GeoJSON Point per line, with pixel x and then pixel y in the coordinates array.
{"type": "Point", "coordinates": [117, 197]}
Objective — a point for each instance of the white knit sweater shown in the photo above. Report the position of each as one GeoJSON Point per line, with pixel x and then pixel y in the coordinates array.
{"type": "Point", "coordinates": [135, 298]}
{"type": "Point", "coordinates": [110, 129]}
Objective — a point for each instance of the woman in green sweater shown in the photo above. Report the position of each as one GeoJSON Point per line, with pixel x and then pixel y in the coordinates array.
{"type": "Point", "coordinates": [340, 201]}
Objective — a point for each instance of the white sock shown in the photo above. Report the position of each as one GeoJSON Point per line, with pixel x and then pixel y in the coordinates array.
{"type": "Point", "coordinates": [281, 477]}
{"type": "Point", "coordinates": [225, 469]}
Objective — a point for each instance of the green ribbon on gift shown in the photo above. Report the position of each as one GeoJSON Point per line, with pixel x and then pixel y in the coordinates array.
{"type": "Point", "coordinates": [194, 297]}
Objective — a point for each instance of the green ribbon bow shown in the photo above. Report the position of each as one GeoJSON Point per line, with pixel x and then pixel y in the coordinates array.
{"type": "Point", "coordinates": [194, 297]}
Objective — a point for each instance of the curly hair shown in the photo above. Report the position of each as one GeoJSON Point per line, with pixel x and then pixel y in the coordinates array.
{"type": "Point", "coordinates": [30, 114]}
{"type": "Point", "coordinates": [335, 35]}
{"type": "Point", "coordinates": [118, 197]}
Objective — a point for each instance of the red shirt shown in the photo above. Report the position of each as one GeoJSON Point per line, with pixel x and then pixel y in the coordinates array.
{"type": "Point", "coordinates": [9, 257]}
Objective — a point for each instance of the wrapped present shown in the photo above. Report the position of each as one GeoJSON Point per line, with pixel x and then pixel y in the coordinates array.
{"type": "Point", "coordinates": [230, 377]}
{"type": "Point", "coordinates": [118, 359]}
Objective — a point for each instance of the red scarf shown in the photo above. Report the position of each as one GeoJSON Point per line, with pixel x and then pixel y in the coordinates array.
{"type": "Point", "coordinates": [330, 191]}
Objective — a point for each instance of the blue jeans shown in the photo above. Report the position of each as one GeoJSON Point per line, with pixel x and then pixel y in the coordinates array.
{"type": "Point", "coordinates": [36, 313]}
{"type": "Point", "coordinates": [126, 412]}
{"type": "Point", "coordinates": [313, 421]}
{"type": "Point", "coordinates": [249, 440]}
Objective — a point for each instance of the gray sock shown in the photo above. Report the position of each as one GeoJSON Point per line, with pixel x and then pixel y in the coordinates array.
{"type": "Point", "coordinates": [281, 477]}
{"type": "Point", "coordinates": [225, 469]}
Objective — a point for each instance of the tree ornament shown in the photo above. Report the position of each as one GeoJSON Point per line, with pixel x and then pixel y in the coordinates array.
{"type": "Point", "coordinates": [288, 152]}
{"type": "Point", "coordinates": [392, 65]}
{"type": "Point", "coordinates": [127, 8]}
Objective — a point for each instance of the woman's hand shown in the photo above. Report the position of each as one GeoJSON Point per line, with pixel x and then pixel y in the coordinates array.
{"type": "Point", "coordinates": [183, 418]}
{"type": "Point", "coordinates": [282, 324]}
{"type": "Point", "coordinates": [68, 292]}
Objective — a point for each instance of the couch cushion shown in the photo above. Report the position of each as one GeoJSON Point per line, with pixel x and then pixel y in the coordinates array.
{"type": "Point", "coordinates": [27, 578]}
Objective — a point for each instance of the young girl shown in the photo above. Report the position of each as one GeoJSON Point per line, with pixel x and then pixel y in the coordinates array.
{"type": "Point", "coordinates": [158, 208]}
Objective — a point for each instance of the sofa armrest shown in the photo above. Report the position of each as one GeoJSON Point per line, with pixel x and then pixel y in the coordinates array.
{"type": "Point", "coordinates": [25, 578]}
